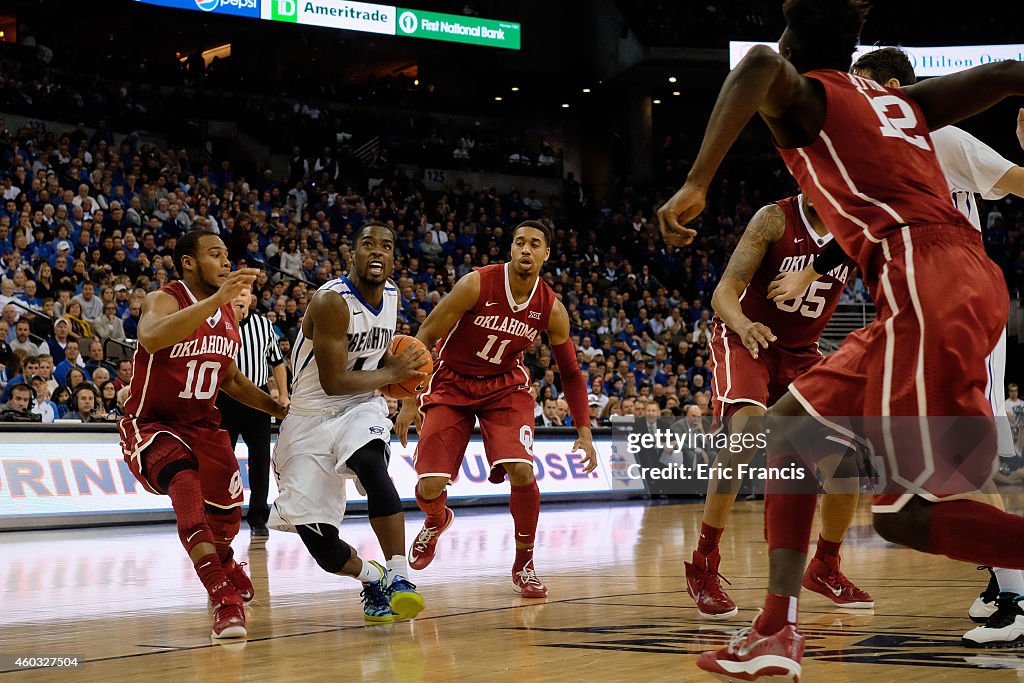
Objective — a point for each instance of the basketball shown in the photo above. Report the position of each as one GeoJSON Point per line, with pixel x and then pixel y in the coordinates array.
{"type": "Point", "coordinates": [412, 386]}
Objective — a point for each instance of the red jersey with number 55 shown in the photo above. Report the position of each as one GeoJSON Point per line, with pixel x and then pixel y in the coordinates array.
{"type": "Point", "coordinates": [179, 384]}
{"type": "Point", "coordinates": [797, 323]}
{"type": "Point", "coordinates": [490, 338]}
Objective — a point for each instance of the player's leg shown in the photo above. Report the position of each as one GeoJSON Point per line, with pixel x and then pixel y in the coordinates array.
{"type": "Point", "coordinates": [838, 506]}
{"type": "Point", "coordinates": [703, 581]}
{"type": "Point", "coordinates": [506, 427]}
{"type": "Point", "coordinates": [384, 507]}
{"type": "Point", "coordinates": [169, 465]}
{"type": "Point", "coordinates": [440, 447]}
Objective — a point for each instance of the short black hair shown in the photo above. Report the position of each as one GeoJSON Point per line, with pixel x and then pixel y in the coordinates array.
{"type": "Point", "coordinates": [886, 63]}
{"type": "Point", "coordinates": [188, 245]}
{"type": "Point", "coordinates": [373, 224]}
{"type": "Point", "coordinates": [536, 225]}
{"type": "Point", "coordinates": [828, 31]}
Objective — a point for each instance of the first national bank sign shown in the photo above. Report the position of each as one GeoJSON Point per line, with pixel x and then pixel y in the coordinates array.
{"type": "Point", "coordinates": [366, 18]}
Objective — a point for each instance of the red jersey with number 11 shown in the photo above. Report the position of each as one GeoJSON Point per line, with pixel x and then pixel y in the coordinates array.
{"type": "Point", "coordinates": [179, 384]}
{"type": "Point", "coordinates": [797, 323]}
{"type": "Point", "coordinates": [490, 338]}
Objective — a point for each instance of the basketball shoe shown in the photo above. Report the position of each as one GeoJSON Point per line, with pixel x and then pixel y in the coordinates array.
{"type": "Point", "coordinates": [824, 577]}
{"type": "Point", "coordinates": [984, 606]}
{"type": "Point", "coordinates": [526, 583]}
{"type": "Point", "coordinates": [1005, 628]}
{"type": "Point", "coordinates": [376, 603]}
{"type": "Point", "coordinates": [406, 603]}
{"type": "Point", "coordinates": [238, 578]}
{"type": "Point", "coordinates": [229, 616]}
{"type": "Point", "coordinates": [422, 551]}
{"type": "Point", "coordinates": [751, 655]}
{"type": "Point", "coordinates": [704, 586]}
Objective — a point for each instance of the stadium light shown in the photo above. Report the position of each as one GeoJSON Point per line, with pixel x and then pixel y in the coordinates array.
{"type": "Point", "coordinates": [671, 79]}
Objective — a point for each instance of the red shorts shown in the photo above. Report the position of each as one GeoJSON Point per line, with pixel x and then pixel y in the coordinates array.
{"type": "Point", "coordinates": [451, 405]}
{"type": "Point", "coordinates": [924, 355]}
{"type": "Point", "coordinates": [738, 377]}
{"type": "Point", "coordinates": [209, 449]}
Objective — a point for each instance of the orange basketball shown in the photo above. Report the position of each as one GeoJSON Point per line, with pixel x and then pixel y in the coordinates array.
{"type": "Point", "coordinates": [411, 386]}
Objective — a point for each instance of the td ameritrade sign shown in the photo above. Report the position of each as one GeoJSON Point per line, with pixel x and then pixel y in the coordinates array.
{"type": "Point", "coordinates": [351, 16]}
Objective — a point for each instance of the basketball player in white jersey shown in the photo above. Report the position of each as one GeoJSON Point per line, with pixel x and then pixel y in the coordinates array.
{"type": "Point", "coordinates": [339, 429]}
{"type": "Point", "coordinates": [971, 167]}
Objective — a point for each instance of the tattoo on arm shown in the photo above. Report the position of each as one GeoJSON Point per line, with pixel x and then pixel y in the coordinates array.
{"type": "Point", "coordinates": [764, 230]}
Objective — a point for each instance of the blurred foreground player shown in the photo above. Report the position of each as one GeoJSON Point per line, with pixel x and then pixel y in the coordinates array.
{"type": "Point", "coordinates": [490, 317]}
{"type": "Point", "coordinates": [758, 347]}
{"type": "Point", "coordinates": [338, 426]}
{"type": "Point", "coordinates": [863, 153]}
{"type": "Point", "coordinates": [171, 436]}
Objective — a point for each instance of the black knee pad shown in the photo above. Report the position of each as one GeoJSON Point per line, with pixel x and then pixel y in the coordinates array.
{"type": "Point", "coordinates": [370, 463]}
{"type": "Point", "coordinates": [322, 541]}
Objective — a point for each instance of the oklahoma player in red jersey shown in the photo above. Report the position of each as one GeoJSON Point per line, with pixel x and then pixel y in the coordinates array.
{"type": "Point", "coordinates": [864, 155]}
{"type": "Point", "coordinates": [758, 347]}
{"type": "Point", "coordinates": [171, 436]}
{"type": "Point", "coordinates": [490, 317]}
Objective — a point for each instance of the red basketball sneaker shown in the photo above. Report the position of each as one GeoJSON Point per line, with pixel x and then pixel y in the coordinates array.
{"type": "Point", "coordinates": [526, 583]}
{"type": "Point", "coordinates": [422, 551]}
{"type": "Point", "coordinates": [750, 655]}
{"type": "Point", "coordinates": [704, 586]}
{"type": "Point", "coordinates": [229, 618]}
{"type": "Point", "coordinates": [825, 578]}
{"type": "Point", "coordinates": [238, 578]}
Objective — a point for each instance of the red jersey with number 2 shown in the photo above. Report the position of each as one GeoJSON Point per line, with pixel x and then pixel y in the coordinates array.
{"type": "Point", "coordinates": [798, 323]}
{"type": "Point", "coordinates": [490, 338]}
{"type": "Point", "coordinates": [179, 384]}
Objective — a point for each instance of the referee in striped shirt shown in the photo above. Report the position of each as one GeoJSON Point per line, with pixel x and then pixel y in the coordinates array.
{"type": "Point", "coordinates": [258, 356]}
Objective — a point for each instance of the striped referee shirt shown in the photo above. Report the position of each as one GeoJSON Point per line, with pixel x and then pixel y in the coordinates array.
{"type": "Point", "coordinates": [258, 352]}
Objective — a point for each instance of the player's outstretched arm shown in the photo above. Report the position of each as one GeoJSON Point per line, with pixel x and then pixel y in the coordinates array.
{"type": "Point", "coordinates": [573, 384]}
{"type": "Point", "coordinates": [764, 82]}
{"type": "Point", "coordinates": [764, 230]}
{"type": "Point", "coordinates": [239, 387]}
{"type": "Point", "coordinates": [328, 318]}
{"type": "Point", "coordinates": [164, 324]}
{"type": "Point", "coordinates": [953, 98]}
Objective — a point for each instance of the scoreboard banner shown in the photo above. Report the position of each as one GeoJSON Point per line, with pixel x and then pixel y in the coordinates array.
{"type": "Point", "coordinates": [364, 17]}
{"type": "Point", "coordinates": [69, 479]}
{"type": "Point", "coordinates": [927, 61]}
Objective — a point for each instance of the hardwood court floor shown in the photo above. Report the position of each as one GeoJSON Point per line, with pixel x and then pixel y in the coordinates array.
{"type": "Point", "coordinates": [126, 600]}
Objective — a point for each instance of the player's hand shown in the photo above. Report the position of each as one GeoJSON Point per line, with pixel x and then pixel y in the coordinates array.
{"type": "Point", "coordinates": [281, 410]}
{"type": "Point", "coordinates": [585, 442]}
{"type": "Point", "coordinates": [1020, 128]}
{"type": "Point", "coordinates": [405, 365]}
{"type": "Point", "coordinates": [406, 416]}
{"type": "Point", "coordinates": [755, 337]}
{"type": "Point", "coordinates": [237, 283]}
{"type": "Point", "coordinates": [684, 206]}
{"type": "Point", "coordinates": [788, 286]}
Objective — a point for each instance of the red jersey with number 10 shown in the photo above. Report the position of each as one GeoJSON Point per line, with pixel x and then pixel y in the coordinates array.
{"type": "Point", "coordinates": [872, 169]}
{"type": "Point", "coordinates": [179, 384]}
{"type": "Point", "coordinates": [490, 338]}
{"type": "Point", "coordinates": [797, 323]}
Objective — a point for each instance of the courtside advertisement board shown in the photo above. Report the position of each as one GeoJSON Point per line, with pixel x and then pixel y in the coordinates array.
{"type": "Point", "coordinates": [46, 477]}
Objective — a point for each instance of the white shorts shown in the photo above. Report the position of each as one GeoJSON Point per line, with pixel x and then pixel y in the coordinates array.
{"type": "Point", "coordinates": [996, 392]}
{"type": "Point", "coordinates": [309, 463]}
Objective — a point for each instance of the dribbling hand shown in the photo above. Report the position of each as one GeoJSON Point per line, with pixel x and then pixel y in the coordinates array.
{"type": "Point", "coordinates": [406, 364]}
{"type": "Point", "coordinates": [684, 206]}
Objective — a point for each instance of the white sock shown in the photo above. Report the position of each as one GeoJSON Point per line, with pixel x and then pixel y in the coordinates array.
{"type": "Point", "coordinates": [398, 566]}
{"type": "Point", "coordinates": [369, 573]}
{"type": "Point", "coordinates": [1010, 580]}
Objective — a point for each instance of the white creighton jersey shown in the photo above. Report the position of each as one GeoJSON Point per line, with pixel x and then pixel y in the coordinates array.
{"type": "Point", "coordinates": [971, 167]}
{"type": "Point", "coordinates": [369, 333]}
